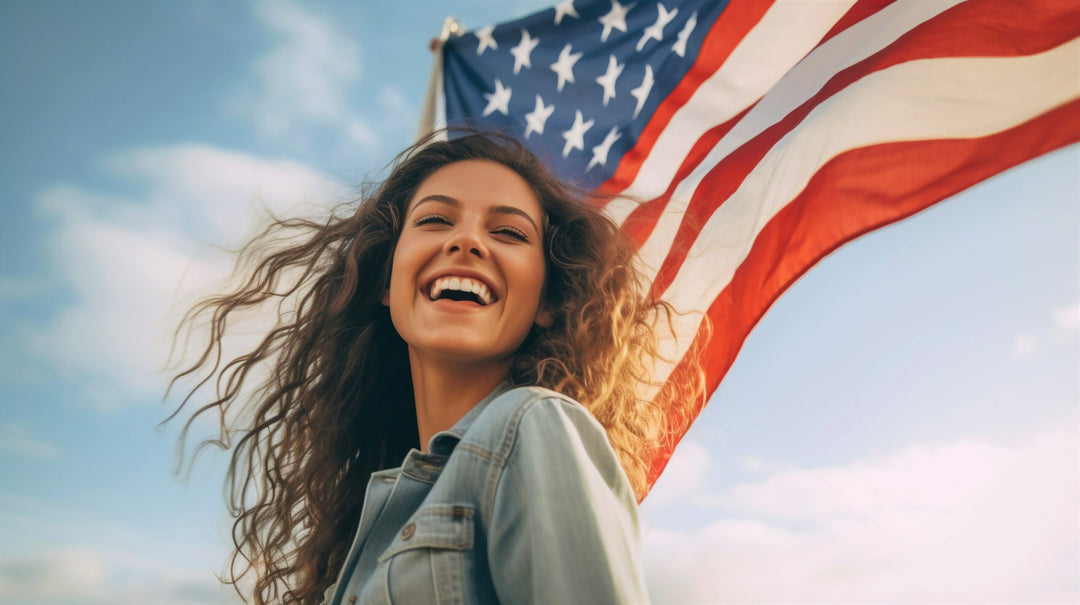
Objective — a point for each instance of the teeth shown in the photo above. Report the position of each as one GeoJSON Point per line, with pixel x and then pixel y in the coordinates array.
{"type": "Point", "coordinates": [462, 284]}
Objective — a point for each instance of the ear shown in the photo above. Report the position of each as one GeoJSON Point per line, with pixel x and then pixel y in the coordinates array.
{"type": "Point", "coordinates": [543, 316]}
{"type": "Point", "coordinates": [386, 297]}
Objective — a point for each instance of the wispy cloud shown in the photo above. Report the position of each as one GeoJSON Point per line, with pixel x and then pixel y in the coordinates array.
{"type": "Point", "coordinates": [132, 264]}
{"type": "Point", "coordinates": [1023, 346]}
{"type": "Point", "coordinates": [1068, 317]}
{"type": "Point", "coordinates": [755, 464]}
{"type": "Point", "coordinates": [683, 478]}
{"type": "Point", "coordinates": [83, 576]}
{"type": "Point", "coordinates": [16, 439]}
{"type": "Point", "coordinates": [62, 552]}
{"type": "Point", "coordinates": [202, 191]}
{"type": "Point", "coordinates": [959, 522]}
{"type": "Point", "coordinates": [305, 79]}
{"type": "Point", "coordinates": [398, 107]}
{"type": "Point", "coordinates": [1066, 322]}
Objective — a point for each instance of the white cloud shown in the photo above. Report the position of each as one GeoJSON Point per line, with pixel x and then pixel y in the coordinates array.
{"type": "Point", "coordinates": [397, 107]}
{"type": "Point", "coordinates": [755, 464]}
{"type": "Point", "coordinates": [84, 576]}
{"type": "Point", "coordinates": [360, 132]}
{"type": "Point", "coordinates": [392, 98]}
{"type": "Point", "coordinates": [1023, 346]}
{"type": "Point", "coordinates": [132, 265]}
{"type": "Point", "coordinates": [306, 78]}
{"type": "Point", "coordinates": [960, 522]}
{"type": "Point", "coordinates": [15, 438]}
{"type": "Point", "coordinates": [57, 574]}
{"type": "Point", "coordinates": [1068, 317]}
{"type": "Point", "coordinates": [683, 478]}
{"type": "Point", "coordinates": [211, 192]}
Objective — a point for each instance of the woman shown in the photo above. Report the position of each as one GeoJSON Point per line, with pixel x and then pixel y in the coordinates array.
{"type": "Point", "coordinates": [418, 436]}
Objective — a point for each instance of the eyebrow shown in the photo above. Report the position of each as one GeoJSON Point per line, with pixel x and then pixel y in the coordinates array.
{"type": "Point", "coordinates": [497, 209]}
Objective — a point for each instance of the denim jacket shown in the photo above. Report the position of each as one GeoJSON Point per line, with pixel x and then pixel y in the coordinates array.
{"type": "Point", "coordinates": [522, 501]}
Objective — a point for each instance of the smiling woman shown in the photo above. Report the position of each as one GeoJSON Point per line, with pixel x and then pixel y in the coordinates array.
{"type": "Point", "coordinates": [453, 412]}
{"type": "Point", "coordinates": [456, 237]}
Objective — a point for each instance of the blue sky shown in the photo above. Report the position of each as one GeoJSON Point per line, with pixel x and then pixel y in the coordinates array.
{"type": "Point", "coordinates": [901, 427]}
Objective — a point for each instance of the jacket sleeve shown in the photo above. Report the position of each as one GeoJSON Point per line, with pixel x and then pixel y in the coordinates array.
{"type": "Point", "coordinates": [563, 525]}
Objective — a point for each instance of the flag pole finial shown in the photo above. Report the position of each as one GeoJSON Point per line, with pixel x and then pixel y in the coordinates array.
{"type": "Point", "coordinates": [451, 27]}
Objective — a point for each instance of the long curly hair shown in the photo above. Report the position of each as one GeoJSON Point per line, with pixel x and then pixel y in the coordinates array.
{"type": "Point", "coordinates": [325, 398]}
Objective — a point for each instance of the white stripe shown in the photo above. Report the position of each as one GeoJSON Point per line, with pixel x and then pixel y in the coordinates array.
{"type": "Point", "coordinates": [783, 36]}
{"type": "Point", "coordinates": [802, 83]}
{"type": "Point", "coordinates": [950, 98]}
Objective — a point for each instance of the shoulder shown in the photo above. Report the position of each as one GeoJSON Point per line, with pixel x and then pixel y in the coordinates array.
{"type": "Point", "coordinates": [540, 436]}
{"type": "Point", "coordinates": [530, 413]}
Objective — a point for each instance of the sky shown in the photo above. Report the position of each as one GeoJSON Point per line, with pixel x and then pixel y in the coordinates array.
{"type": "Point", "coordinates": [902, 426]}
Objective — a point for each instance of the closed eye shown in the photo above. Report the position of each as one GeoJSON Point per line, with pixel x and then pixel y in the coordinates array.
{"type": "Point", "coordinates": [432, 218]}
{"type": "Point", "coordinates": [513, 232]}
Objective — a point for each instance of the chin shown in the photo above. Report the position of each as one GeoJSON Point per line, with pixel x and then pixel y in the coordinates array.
{"type": "Point", "coordinates": [465, 351]}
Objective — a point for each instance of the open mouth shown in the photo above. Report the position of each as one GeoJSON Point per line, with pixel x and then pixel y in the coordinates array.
{"type": "Point", "coordinates": [461, 289]}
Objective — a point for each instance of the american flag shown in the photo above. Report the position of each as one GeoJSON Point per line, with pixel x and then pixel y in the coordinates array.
{"type": "Point", "coordinates": [757, 136]}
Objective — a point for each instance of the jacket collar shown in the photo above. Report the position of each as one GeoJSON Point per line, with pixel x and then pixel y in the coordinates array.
{"type": "Point", "coordinates": [444, 442]}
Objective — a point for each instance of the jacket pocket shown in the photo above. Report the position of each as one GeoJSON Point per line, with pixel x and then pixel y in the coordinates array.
{"type": "Point", "coordinates": [431, 558]}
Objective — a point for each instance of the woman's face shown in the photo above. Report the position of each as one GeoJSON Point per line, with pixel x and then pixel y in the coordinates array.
{"type": "Point", "coordinates": [468, 270]}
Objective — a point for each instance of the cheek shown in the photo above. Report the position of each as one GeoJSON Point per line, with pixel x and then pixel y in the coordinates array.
{"type": "Point", "coordinates": [532, 273]}
{"type": "Point", "coordinates": [391, 282]}
{"type": "Point", "coordinates": [399, 283]}
{"type": "Point", "coordinates": [403, 265]}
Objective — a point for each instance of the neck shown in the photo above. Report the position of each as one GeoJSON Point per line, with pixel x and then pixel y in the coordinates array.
{"type": "Point", "coordinates": [446, 391]}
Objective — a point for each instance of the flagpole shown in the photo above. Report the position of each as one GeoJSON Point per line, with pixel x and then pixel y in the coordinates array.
{"type": "Point", "coordinates": [433, 113]}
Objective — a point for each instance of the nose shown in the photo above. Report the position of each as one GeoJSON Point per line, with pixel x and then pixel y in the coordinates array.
{"type": "Point", "coordinates": [466, 239]}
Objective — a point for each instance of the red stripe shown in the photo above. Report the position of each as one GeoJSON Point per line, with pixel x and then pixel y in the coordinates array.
{"type": "Point", "coordinates": [736, 20]}
{"type": "Point", "coordinates": [641, 221]}
{"type": "Point", "coordinates": [986, 28]}
{"type": "Point", "coordinates": [854, 193]}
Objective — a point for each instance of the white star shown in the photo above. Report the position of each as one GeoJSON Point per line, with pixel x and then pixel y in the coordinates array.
{"type": "Point", "coordinates": [599, 153]}
{"type": "Point", "coordinates": [566, 7]}
{"type": "Point", "coordinates": [642, 92]}
{"type": "Point", "coordinates": [615, 18]}
{"type": "Point", "coordinates": [498, 100]}
{"type": "Point", "coordinates": [536, 119]}
{"type": "Point", "coordinates": [684, 35]}
{"type": "Point", "coordinates": [575, 137]}
{"type": "Point", "coordinates": [656, 30]}
{"type": "Point", "coordinates": [564, 67]}
{"type": "Point", "coordinates": [486, 41]}
{"type": "Point", "coordinates": [608, 79]}
{"type": "Point", "coordinates": [522, 51]}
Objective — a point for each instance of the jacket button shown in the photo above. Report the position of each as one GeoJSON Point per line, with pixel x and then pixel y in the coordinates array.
{"type": "Point", "coordinates": [408, 531]}
{"type": "Point", "coordinates": [352, 599]}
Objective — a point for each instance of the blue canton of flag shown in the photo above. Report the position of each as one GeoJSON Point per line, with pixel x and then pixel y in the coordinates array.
{"type": "Point", "coordinates": [578, 82]}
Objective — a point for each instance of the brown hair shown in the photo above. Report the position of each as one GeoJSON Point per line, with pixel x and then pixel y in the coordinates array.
{"type": "Point", "coordinates": [336, 402]}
